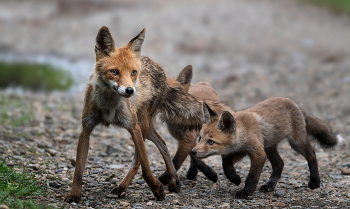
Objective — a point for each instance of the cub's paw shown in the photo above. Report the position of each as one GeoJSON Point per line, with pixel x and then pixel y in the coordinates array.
{"type": "Point", "coordinates": [236, 179]}
{"type": "Point", "coordinates": [72, 198]}
{"type": "Point", "coordinates": [314, 183]}
{"type": "Point", "coordinates": [266, 188]}
{"type": "Point", "coordinates": [174, 185]}
{"type": "Point", "coordinates": [243, 194]}
{"type": "Point", "coordinates": [120, 191]}
{"type": "Point", "coordinates": [192, 173]}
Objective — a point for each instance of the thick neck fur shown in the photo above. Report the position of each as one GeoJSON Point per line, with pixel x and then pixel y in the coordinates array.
{"type": "Point", "coordinates": [103, 96]}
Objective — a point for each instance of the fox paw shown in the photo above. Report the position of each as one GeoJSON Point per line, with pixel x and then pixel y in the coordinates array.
{"type": "Point", "coordinates": [266, 188]}
{"type": "Point", "coordinates": [243, 194]}
{"type": "Point", "coordinates": [174, 185]}
{"type": "Point", "coordinates": [234, 179]}
{"type": "Point", "coordinates": [314, 183]}
{"type": "Point", "coordinates": [192, 173]}
{"type": "Point", "coordinates": [120, 191]}
{"type": "Point", "coordinates": [159, 193]}
{"type": "Point", "coordinates": [72, 198]}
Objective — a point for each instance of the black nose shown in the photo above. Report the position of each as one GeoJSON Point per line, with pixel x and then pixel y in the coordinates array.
{"type": "Point", "coordinates": [194, 152]}
{"type": "Point", "coordinates": [129, 90]}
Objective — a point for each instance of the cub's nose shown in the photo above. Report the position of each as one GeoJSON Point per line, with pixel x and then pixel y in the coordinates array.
{"type": "Point", "coordinates": [194, 152]}
{"type": "Point", "coordinates": [129, 90]}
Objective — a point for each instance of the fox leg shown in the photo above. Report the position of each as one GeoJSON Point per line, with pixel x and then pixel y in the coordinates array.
{"type": "Point", "coordinates": [257, 161]}
{"type": "Point", "coordinates": [302, 145]}
{"type": "Point", "coordinates": [120, 190]}
{"type": "Point", "coordinates": [173, 179]}
{"type": "Point", "coordinates": [277, 167]}
{"type": "Point", "coordinates": [228, 162]}
{"type": "Point", "coordinates": [185, 146]}
{"type": "Point", "coordinates": [153, 183]}
{"type": "Point", "coordinates": [82, 152]}
{"type": "Point", "coordinates": [204, 168]}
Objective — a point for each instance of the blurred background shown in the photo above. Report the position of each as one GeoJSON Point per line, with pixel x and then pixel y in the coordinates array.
{"type": "Point", "coordinates": [248, 51]}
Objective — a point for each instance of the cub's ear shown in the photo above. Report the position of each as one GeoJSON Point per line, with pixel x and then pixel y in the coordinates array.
{"type": "Point", "coordinates": [136, 43]}
{"type": "Point", "coordinates": [208, 113]}
{"type": "Point", "coordinates": [185, 77]}
{"type": "Point", "coordinates": [104, 42]}
{"type": "Point", "coordinates": [226, 123]}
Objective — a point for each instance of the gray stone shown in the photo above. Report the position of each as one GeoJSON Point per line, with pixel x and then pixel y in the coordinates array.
{"type": "Point", "coordinates": [140, 181]}
{"type": "Point", "coordinates": [280, 193]}
{"type": "Point", "coordinates": [54, 184]}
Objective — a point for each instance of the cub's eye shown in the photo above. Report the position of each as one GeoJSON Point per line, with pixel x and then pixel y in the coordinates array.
{"type": "Point", "coordinates": [114, 72]}
{"type": "Point", "coordinates": [134, 73]}
{"type": "Point", "coordinates": [199, 138]}
{"type": "Point", "coordinates": [211, 142]}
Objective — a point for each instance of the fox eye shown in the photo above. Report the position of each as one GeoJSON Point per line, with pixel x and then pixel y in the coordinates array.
{"type": "Point", "coordinates": [134, 73]}
{"type": "Point", "coordinates": [114, 72]}
{"type": "Point", "coordinates": [199, 138]}
{"type": "Point", "coordinates": [211, 142]}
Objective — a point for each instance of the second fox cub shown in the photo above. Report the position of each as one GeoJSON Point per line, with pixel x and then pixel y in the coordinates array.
{"type": "Point", "coordinates": [256, 132]}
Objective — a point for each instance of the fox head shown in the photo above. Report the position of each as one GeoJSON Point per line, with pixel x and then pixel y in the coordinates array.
{"type": "Point", "coordinates": [183, 80]}
{"type": "Point", "coordinates": [216, 135]}
{"type": "Point", "coordinates": [117, 69]}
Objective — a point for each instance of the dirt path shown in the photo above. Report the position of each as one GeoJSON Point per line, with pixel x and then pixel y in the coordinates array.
{"type": "Point", "coordinates": [248, 50]}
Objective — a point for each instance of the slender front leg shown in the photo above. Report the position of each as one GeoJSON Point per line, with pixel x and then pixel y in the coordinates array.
{"type": "Point", "coordinates": [153, 183]}
{"type": "Point", "coordinates": [82, 152]}
{"type": "Point", "coordinates": [120, 190]}
{"type": "Point", "coordinates": [185, 145]}
{"type": "Point", "coordinates": [228, 162]}
{"type": "Point", "coordinates": [173, 179]}
{"type": "Point", "coordinates": [277, 167]}
{"type": "Point", "coordinates": [204, 168]}
{"type": "Point", "coordinates": [257, 161]}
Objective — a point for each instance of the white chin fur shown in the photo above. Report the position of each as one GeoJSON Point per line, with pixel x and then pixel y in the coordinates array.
{"type": "Point", "coordinates": [340, 139]}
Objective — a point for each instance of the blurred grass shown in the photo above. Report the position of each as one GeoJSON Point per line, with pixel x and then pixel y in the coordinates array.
{"type": "Point", "coordinates": [335, 5]}
{"type": "Point", "coordinates": [19, 190]}
{"type": "Point", "coordinates": [14, 112]}
{"type": "Point", "coordinates": [33, 76]}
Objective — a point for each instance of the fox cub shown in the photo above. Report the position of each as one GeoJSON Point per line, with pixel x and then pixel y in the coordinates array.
{"type": "Point", "coordinates": [256, 132]}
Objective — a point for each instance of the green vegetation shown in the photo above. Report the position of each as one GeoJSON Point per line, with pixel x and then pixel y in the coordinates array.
{"type": "Point", "coordinates": [16, 189]}
{"type": "Point", "coordinates": [335, 5]}
{"type": "Point", "coordinates": [34, 76]}
{"type": "Point", "coordinates": [14, 112]}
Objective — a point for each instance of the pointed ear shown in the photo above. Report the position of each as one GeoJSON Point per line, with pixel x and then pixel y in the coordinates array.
{"type": "Point", "coordinates": [104, 42]}
{"type": "Point", "coordinates": [207, 113]}
{"type": "Point", "coordinates": [136, 43]}
{"type": "Point", "coordinates": [226, 123]}
{"type": "Point", "coordinates": [185, 77]}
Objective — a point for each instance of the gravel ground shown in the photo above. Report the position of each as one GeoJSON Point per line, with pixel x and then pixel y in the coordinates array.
{"type": "Point", "coordinates": [248, 51]}
{"type": "Point", "coordinates": [47, 146]}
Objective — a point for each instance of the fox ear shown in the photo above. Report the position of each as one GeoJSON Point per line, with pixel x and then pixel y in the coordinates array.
{"type": "Point", "coordinates": [226, 123]}
{"type": "Point", "coordinates": [136, 43]}
{"type": "Point", "coordinates": [207, 113]}
{"type": "Point", "coordinates": [185, 77]}
{"type": "Point", "coordinates": [104, 42]}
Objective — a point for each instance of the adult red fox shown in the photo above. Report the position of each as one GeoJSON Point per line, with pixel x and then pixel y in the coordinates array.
{"type": "Point", "coordinates": [256, 132]}
{"type": "Point", "coordinates": [128, 90]}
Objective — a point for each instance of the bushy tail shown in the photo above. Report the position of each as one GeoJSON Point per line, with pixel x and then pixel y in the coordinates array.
{"type": "Point", "coordinates": [179, 108]}
{"type": "Point", "coordinates": [321, 131]}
